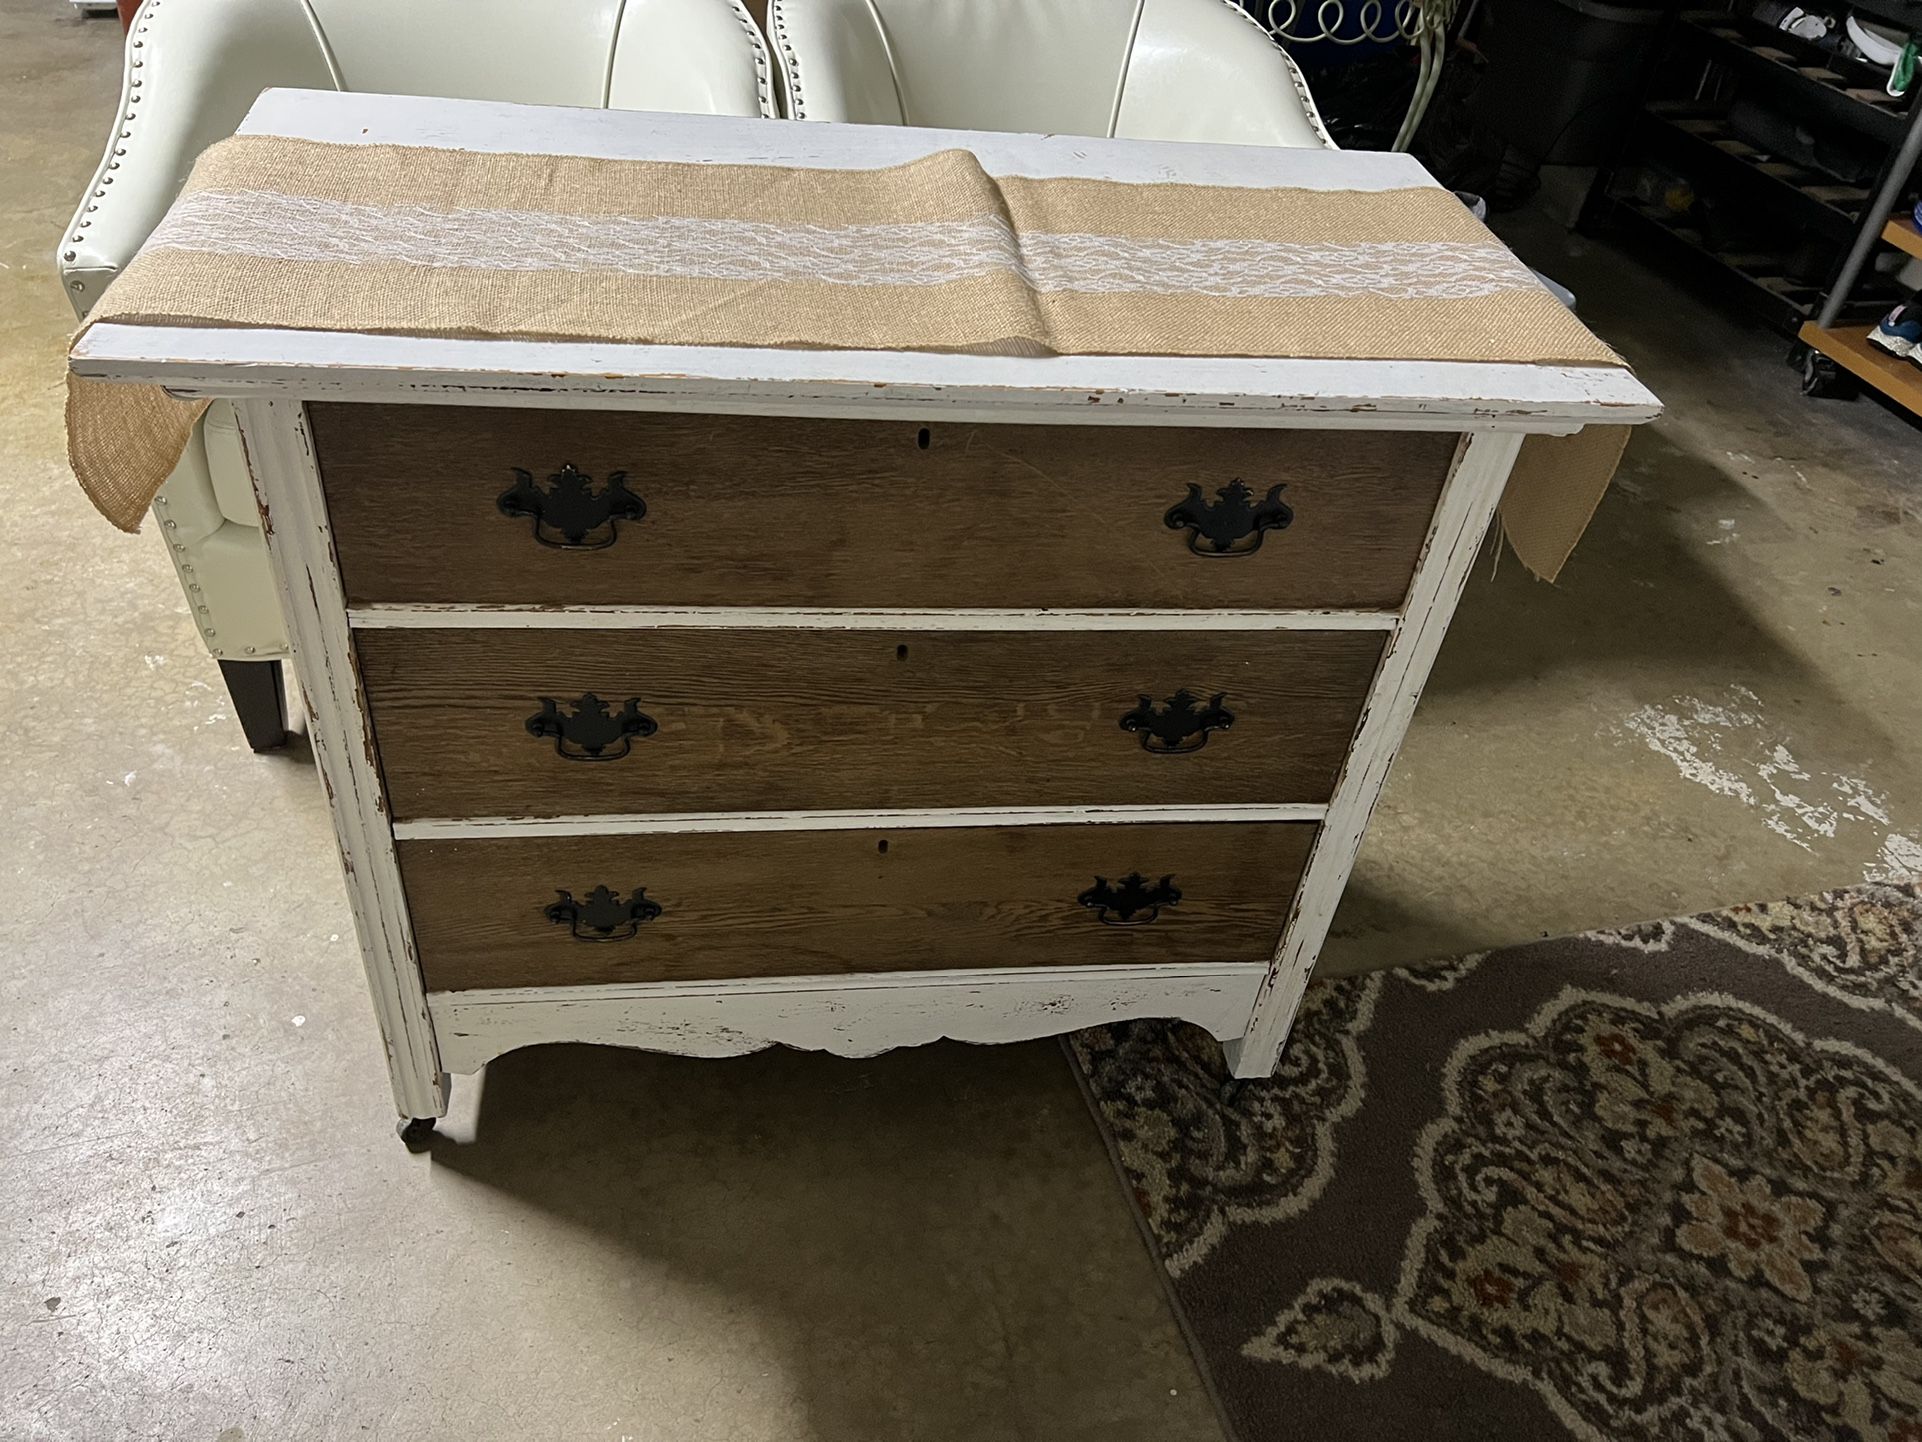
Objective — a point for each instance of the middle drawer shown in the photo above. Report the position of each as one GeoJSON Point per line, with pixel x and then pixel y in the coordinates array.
{"type": "Point", "coordinates": [567, 722]}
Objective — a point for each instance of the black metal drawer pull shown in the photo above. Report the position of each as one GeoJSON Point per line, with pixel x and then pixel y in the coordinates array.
{"type": "Point", "coordinates": [1233, 523]}
{"type": "Point", "coordinates": [1178, 726]}
{"type": "Point", "coordinates": [570, 507]}
{"type": "Point", "coordinates": [592, 727]}
{"type": "Point", "coordinates": [1131, 901]}
{"type": "Point", "coordinates": [603, 916]}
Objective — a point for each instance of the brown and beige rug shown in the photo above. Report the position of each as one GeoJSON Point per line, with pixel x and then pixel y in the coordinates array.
{"type": "Point", "coordinates": [1657, 1183]}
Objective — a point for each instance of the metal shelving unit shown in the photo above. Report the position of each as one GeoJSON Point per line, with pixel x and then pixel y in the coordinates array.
{"type": "Point", "coordinates": [1813, 80]}
{"type": "Point", "coordinates": [1836, 350]}
{"type": "Point", "coordinates": [1700, 130]}
{"type": "Point", "coordinates": [1788, 239]}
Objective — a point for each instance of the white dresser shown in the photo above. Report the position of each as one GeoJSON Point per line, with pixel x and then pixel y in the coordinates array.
{"type": "Point", "coordinates": [702, 699]}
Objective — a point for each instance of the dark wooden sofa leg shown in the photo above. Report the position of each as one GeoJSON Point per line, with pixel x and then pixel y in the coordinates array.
{"type": "Point", "coordinates": [259, 701]}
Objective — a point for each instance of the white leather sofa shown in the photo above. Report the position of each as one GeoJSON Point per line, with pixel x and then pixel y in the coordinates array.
{"type": "Point", "coordinates": [1141, 69]}
{"type": "Point", "coordinates": [193, 67]}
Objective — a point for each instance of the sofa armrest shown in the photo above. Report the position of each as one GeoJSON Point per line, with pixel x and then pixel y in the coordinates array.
{"type": "Point", "coordinates": [192, 69]}
{"type": "Point", "coordinates": [848, 73]}
{"type": "Point", "coordinates": [700, 57]}
{"type": "Point", "coordinates": [1208, 70]}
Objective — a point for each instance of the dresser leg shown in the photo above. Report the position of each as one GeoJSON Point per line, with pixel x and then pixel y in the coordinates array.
{"type": "Point", "coordinates": [259, 702]}
{"type": "Point", "coordinates": [1245, 1062]}
{"type": "Point", "coordinates": [415, 1132]}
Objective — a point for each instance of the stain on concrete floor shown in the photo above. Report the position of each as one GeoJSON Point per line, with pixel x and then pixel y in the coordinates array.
{"type": "Point", "coordinates": [198, 1167]}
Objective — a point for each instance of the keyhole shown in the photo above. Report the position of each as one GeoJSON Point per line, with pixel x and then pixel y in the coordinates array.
{"type": "Point", "coordinates": [922, 439]}
{"type": "Point", "coordinates": [900, 653]}
{"type": "Point", "coordinates": [881, 846]}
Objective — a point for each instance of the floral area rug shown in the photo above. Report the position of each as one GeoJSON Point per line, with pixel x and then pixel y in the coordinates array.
{"type": "Point", "coordinates": [1657, 1183]}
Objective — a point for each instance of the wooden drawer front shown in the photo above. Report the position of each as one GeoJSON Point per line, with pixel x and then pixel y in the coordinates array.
{"type": "Point", "coordinates": [777, 511]}
{"type": "Point", "coordinates": [805, 903]}
{"type": "Point", "coordinates": [750, 720]}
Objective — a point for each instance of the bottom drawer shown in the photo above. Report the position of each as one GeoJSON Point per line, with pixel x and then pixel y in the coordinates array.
{"type": "Point", "coordinates": [517, 912]}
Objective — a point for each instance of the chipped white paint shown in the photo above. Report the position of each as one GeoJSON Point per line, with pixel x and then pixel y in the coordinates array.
{"type": "Point", "coordinates": [301, 546]}
{"type": "Point", "coordinates": [1462, 518]}
{"type": "Point", "coordinates": [925, 385]}
{"type": "Point", "coordinates": [387, 616]}
{"type": "Point", "coordinates": [686, 822]}
{"type": "Point", "coordinates": [845, 1015]}
{"type": "Point", "coordinates": [1899, 860]}
{"type": "Point", "coordinates": [1680, 736]}
{"type": "Point", "coordinates": [1856, 796]}
{"type": "Point", "coordinates": [1729, 747]}
{"type": "Point", "coordinates": [1816, 817]}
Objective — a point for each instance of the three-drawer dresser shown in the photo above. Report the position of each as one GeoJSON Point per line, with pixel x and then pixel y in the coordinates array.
{"type": "Point", "coordinates": [703, 698]}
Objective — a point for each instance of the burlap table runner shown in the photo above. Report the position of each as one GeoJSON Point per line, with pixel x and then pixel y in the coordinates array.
{"type": "Point", "coordinates": [931, 255]}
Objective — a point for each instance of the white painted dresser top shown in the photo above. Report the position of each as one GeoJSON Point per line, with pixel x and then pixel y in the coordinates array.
{"type": "Point", "coordinates": [1241, 391]}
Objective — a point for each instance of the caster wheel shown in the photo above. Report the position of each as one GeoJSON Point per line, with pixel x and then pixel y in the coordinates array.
{"type": "Point", "coordinates": [1231, 1089]}
{"type": "Point", "coordinates": [1823, 379]}
{"type": "Point", "coordinates": [416, 1133]}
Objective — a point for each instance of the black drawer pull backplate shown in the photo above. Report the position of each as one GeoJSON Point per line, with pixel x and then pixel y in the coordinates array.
{"type": "Point", "coordinates": [603, 916]}
{"type": "Point", "coordinates": [1233, 523]}
{"type": "Point", "coordinates": [1131, 901]}
{"type": "Point", "coordinates": [591, 729]}
{"type": "Point", "coordinates": [568, 506]}
{"type": "Point", "coordinates": [1179, 725]}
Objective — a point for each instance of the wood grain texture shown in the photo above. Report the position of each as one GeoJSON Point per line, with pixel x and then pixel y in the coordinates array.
{"type": "Point", "coordinates": [857, 720]}
{"type": "Point", "coordinates": [773, 510]}
{"type": "Point", "coordinates": [821, 903]}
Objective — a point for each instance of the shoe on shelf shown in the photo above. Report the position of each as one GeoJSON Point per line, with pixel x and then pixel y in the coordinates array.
{"type": "Point", "coordinates": [1900, 332]}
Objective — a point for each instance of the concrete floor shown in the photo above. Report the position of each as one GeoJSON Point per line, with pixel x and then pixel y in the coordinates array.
{"type": "Point", "coordinates": [209, 1232]}
{"type": "Point", "coordinates": [1719, 700]}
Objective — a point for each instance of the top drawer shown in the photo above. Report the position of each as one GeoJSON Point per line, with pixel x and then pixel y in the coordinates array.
{"type": "Point", "coordinates": [452, 504]}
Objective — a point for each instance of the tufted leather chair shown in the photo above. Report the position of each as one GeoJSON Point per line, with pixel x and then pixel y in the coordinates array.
{"type": "Point", "coordinates": [1140, 69]}
{"type": "Point", "coordinates": [194, 67]}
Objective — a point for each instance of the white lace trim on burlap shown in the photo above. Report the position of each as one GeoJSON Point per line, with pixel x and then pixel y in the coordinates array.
{"type": "Point", "coordinates": [273, 226]}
